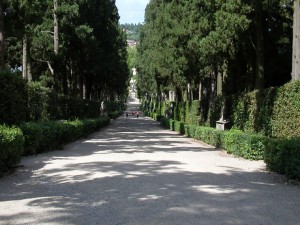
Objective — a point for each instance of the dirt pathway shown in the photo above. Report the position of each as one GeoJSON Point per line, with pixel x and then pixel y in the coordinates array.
{"type": "Point", "coordinates": [135, 173]}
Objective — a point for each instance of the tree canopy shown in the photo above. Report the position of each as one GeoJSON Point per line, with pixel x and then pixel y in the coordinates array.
{"type": "Point", "coordinates": [214, 47]}
{"type": "Point", "coordinates": [76, 47]}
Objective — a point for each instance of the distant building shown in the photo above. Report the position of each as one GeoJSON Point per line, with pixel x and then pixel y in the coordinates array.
{"type": "Point", "coordinates": [131, 43]}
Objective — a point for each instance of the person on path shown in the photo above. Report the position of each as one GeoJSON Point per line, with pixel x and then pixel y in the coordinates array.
{"type": "Point", "coordinates": [137, 114]}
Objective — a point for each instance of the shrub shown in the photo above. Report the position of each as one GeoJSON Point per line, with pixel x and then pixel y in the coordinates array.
{"type": "Point", "coordinates": [11, 146]}
{"type": "Point", "coordinates": [33, 136]}
{"type": "Point", "coordinates": [283, 156]}
{"type": "Point", "coordinates": [190, 130]}
{"type": "Point", "coordinates": [208, 135]}
{"type": "Point", "coordinates": [13, 98]}
{"type": "Point", "coordinates": [44, 136]}
{"type": "Point", "coordinates": [286, 111]}
{"type": "Point", "coordinates": [249, 146]}
{"type": "Point", "coordinates": [115, 114]}
{"type": "Point", "coordinates": [156, 116]}
{"type": "Point", "coordinates": [172, 124]}
{"type": "Point", "coordinates": [179, 126]}
{"type": "Point", "coordinates": [165, 122]}
{"type": "Point", "coordinates": [38, 101]}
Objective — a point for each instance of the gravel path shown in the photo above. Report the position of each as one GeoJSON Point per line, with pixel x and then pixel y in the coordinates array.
{"type": "Point", "coordinates": [135, 173]}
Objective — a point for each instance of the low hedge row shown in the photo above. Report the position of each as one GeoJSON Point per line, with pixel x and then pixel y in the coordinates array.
{"type": "Point", "coordinates": [11, 146]}
{"type": "Point", "coordinates": [284, 157]}
{"type": "Point", "coordinates": [37, 137]}
{"type": "Point", "coordinates": [115, 114]}
{"type": "Point", "coordinates": [280, 155]}
{"type": "Point", "coordinates": [45, 136]}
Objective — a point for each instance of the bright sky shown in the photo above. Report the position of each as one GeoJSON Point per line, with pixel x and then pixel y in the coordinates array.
{"type": "Point", "coordinates": [131, 11]}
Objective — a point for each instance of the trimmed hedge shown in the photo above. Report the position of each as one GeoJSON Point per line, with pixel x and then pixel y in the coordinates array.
{"type": "Point", "coordinates": [48, 135]}
{"type": "Point", "coordinates": [208, 135]}
{"type": "Point", "coordinates": [37, 137]}
{"type": "Point", "coordinates": [280, 155]}
{"type": "Point", "coordinates": [11, 146]}
{"type": "Point", "coordinates": [115, 114]}
{"type": "Point", "coordinates": [284, 157]}
{"type": "Point", "coordinates": [179, 126]}
{"type": "Point", "coordinates": [155, 116]}
{"type": "Point", "coordinates": [273, 112]}
{"type": "Point", "coordinates": [248, 146]}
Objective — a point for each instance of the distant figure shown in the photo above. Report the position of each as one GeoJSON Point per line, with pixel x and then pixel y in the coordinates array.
{"type": "Point", "coordinates": [126, 114]}
{"type": "Point", "coordinates": [102, 108]}
{"type": "Point", "coordinates": [132, 113]}
{"type": "Point", "coordinates": [137, 114]}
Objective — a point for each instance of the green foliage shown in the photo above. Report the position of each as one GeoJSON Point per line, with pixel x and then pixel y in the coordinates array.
{"type": "Point", "coordinates": [280, 155]}
{"type": "Point", "coordinates": [208, 135]}
{"type": "Point", "coordinates": [48, 135]}
{"type": "Point", "coordinates": [92, 49]}
{"type": "Point", "coordinates": [284, 157]}
{"type": "Point", "coordinates": [193, 42]}
{"type": "Point", "coordinates": [33, 137]}
{"type": "Point", "coordinates": [273, 112]}
{"type": "Point", "coordinates": [11, 146]}
{"type": "Point", "coordinates": [38, 101]}
{"type": "Point", "coordinates": [179, 127]}
{"type": "Point", "coordinates": [132, 57]}
{"type": "Point", "coordinates": [132, 30]}
{"type": "Point", "coordinates": [165, 122]}
{"type": "Point", "coordinates": [286, 111]}
{"type": "Point", "coordinates": [13, 98]}
{"type": "Point", "coordinates": [192, 111]}
{"type": "Point", "coordinates": [115, 114]}
{"type": "Point", "coordinates": [156, 116]}
{"type": "Point", "coordinates": [171, 124]}
{"type": "Point", "coordinates": [190, 130]}
{"type": "Point", "coordinates": [249, 146]}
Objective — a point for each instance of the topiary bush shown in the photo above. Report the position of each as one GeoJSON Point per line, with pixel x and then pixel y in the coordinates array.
{"type": "Point", "coordinates": [283, 156]}
{"type": "Point", "coordinates": [165, 122]}
{"type": "Point", "coordinates": [190, 130]}
{"type": "Point", "coordinates": [179, 126]}
{"type": "Point", "coordinates": [286, 111]}
{"type": "Point", "coordinates": [11, 146]}
{"type": "Point", "coordinates": [208, 135]}
{"type": "Point", "coordinates": [249, 146]}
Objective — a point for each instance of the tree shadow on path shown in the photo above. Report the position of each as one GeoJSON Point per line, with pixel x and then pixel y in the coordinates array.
{"type": "Point", "coordinates": [134, 173]}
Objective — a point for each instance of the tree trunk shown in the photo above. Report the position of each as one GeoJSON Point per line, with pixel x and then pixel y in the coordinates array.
{"type": "Point", "coordinates": [219, 83]}
{"type": "Point", "coordinates": [213, 96]}
{"type": "Point", "coordinates": [2, 63]}
{"type": "Point", "coordinates": [26, 62]}
{"type": "Point", "coordinates": [296, 42]}
{"type": "Point", "coordinates": [55, 5]}
{"type": "Point", "coordinates": [259, 81]}
{"type": "Point", "coordinates": [25, 58]}
{"type": "Point", "coordinates": [200, 91]}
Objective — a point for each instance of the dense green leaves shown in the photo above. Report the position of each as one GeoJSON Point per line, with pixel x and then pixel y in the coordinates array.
{"type": "Point", "coordinates": [11, 146]}
{"type": "Point", "coordinates": [223, 47]}
{"type": "Point", "coordinates": [91, 58]}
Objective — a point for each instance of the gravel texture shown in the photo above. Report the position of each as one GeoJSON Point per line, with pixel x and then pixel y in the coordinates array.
{"type": "Point", "coordinates": [135, 173]}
